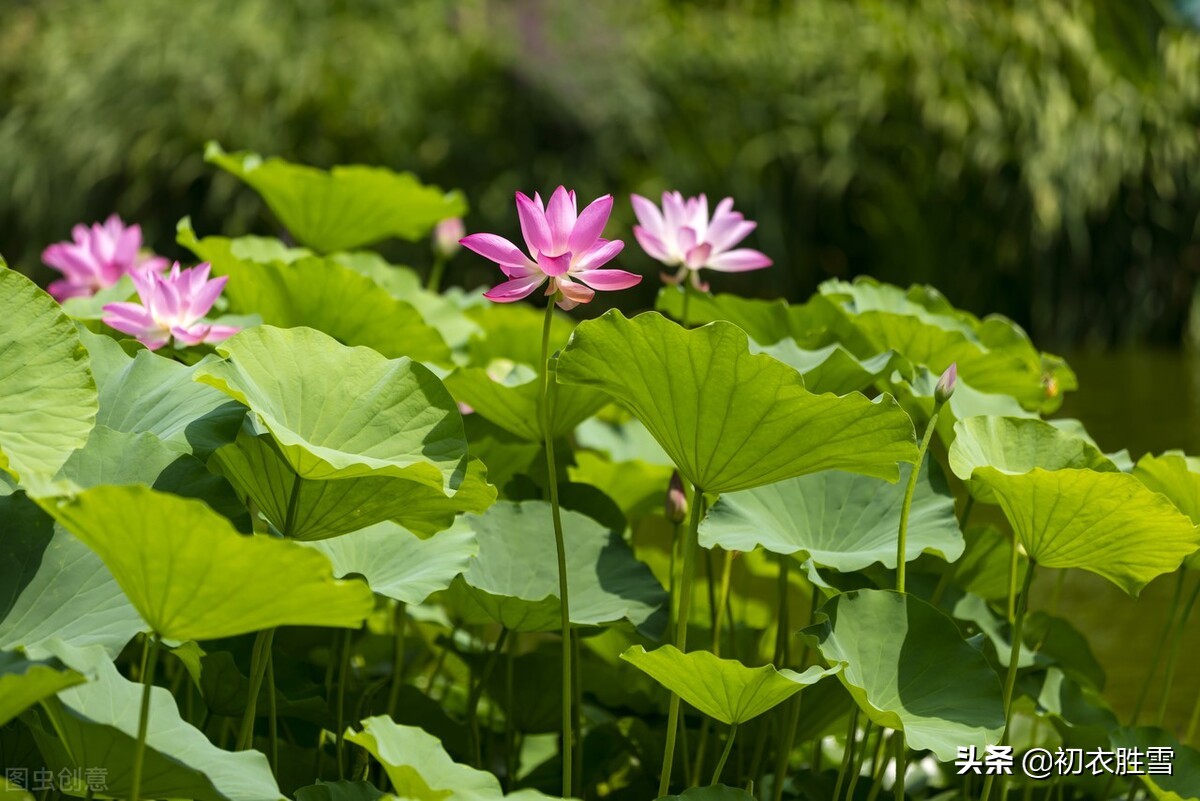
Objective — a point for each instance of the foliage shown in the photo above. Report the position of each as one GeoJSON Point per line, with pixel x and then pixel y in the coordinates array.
{"type": "Point", "coordinates": [302, 563]}
{"type": "Point", "coordinates": [1034, 158]}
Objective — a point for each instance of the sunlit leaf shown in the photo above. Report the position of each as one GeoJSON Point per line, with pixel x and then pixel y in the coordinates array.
{"type": "Point", "coordinates": [341, 412]}
{"type": "Point", "coordinates": [420, 769]}
{"type": "Point", "coordinates": [23, 683]}
{"type": "Point", "coordinates": [517, 406]}
{"type": "Point", "coordinates": [839, 520]}
{"type": "Point", "coordinates": [96, 725]}
{"type": "Point", "coordinates": [48, 399]}
{"type": "Point", "coordinates": [729, 419]}
{"type": "Point", "coordinates": [1178, 477]}
{"type": "Point", "coordinates": [1107, 523]}
{"type": "Point", "coordinates": [1012, 446]}
{"type": "Point", "coordinates": [399, 564]}
{"type": "Point", "coordinates": [724, 689]}
{"type": "Point", "coordinates": [191, 576]}
{"type": "Point", "coordinates": [306, 509]}
{"type": "Point", "coordinates": [55, 588]}
{"type": "Point", "coordinates": [895, 650]}
{"type": "Point", "coordinates": [344, 208]}
{"type": "Point", "coordinates": [606, 582]}
{"type": "Point", "coordinates": [323, 294]}
{"type": "Point", "coordinates": [831, 368]}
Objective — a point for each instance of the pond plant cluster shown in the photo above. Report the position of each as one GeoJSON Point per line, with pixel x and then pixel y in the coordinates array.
{"type": "Point", "coordinates": [293, 522]}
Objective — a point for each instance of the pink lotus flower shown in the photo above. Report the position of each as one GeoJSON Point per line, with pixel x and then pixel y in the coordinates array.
{"type": "Point", "coordinates": [565, 247]}
{"type": "Point", "coordinates": [97, 258]}
{"type": "Point", "coordinates": [172, 306]}
{"type": "Point", "coordinates": [446, 235]}
{"type": "Point", "coordinates": [682, 235]}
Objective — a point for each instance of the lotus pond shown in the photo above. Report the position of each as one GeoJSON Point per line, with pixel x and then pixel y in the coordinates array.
{"type": "Point", "coordinates": [298, 523]}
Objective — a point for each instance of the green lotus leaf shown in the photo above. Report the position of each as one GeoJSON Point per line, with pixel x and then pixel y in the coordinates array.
{"type": "Point", "coordinates": [91, 307]}
{"type": "Point", "coordinates": [983, 568]}
{"type": "Point", "coordinates": [398, 563]}
{"type": "Point", "coordinates": [607, 584]}
{"type": "Point", "coordinates": [831, 368]}
{"type": "Point", "coordinates": [1178, 477]}
{"type": "Point", "coordinates": [729, 419]}
{"type": "Point", "coordinates": [1107, 523]}
{"type": "Point", "coordinates": [512, 332]}
{"type": "Point", "coordinates": [53, 587]}
{"type": "Point", "coordinates": [115, 457]}
{"type": "Point", "coordinates": [815, 324]}
{"type": "Point", "coordinates": [420, 769]}
{"type": "Point", "coordinates": [636, 487]}
{"type": "Point", "coordinates": [517, 407]}
{"type": "Point", "coordinates": [1183, 781]}
{"type": "Point", "coordinates": [148, 394]}
{"type": "Point", "coordinates": [895, 649]}
{"type": "Point", "coordinates": [993, 355]}
{"type": "Point", "coordinates": [323, 294]}
{"type": "Point", "coordinates": [191, 576]}
{"type": "Point", "coordinates": [96, 724]}
{"type": "Point", "coordinates": [713, 792]}
{"type": "Point", "coordinates": [24, 683]}
{"type": "Point", "coordinates": [344, 208]}
{"type": "Point", "coordinates": [764, 321]}
{"type": "Point", "coordinates": [341, 412]}
{"type": "Point", "coordinates": [724, 689]}
{"type": "Point", "coordinates": [626, 441]}
{"type": "Point", "coordinates": [340, 791]}
{"type": "Point", "coordinates": [838, 520]}
{"type": "Point", "coordinates": [1013, 445]}
{"type": "Point", "coordinates": [14, 792]}
{"type": "Point", "coordinates": [329, 508]}
{"type": "Point", "coordinates": [48, 401]}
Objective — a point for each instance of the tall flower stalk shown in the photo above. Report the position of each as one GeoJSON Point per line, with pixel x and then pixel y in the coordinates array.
{"type": "Point", "coordinates": [149, 660]}
{"type": "Point", "coordinates": [941, 394]}
{"type": "Point", "coordinates": [566, 253]}
{"type": "Point", "coordinates": [684, 608]}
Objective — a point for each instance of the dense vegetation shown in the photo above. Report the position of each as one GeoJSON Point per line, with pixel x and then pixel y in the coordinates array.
{"type": "Point", "coordinates": [1033, 158]}
{"type": "Point", "coordinates": [294, 523]}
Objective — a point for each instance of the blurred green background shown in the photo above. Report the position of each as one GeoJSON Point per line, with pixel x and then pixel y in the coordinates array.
{"type": "Point", "coordinates": [1037, 158]}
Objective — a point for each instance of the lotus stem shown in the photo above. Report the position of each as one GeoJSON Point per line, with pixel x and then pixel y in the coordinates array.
{"type": "Point", "coordinates": [1014, 569]}
{"type": "Point", "coordinates": [847, 754]}
{"type": "Point", "coordinates": [1173, 657]}
{"type": "Point", "coordinates": [901, 765]}
{"type": "Point", "coordinates": [477, 693]}
{"type": "Point", "coordinates": [793, 718]}
{"type": "Point", "coordinates": [272, 725]}
{"type": "Point", "coordinates": [860, 757]}
{"type": "Point", "coordinates": [258, 671]}
{"type": "Point", "coordinates": [1014, 657]}
{"type": "Point", "coordinates": [1180, 576]}
{"type": "Point", "coordinates": [909, 491]}
{"type": "Point", "coordinates": [511, 759]}
{"type": "Point", "coordinates": [684, 608]}
{"type": "Point", "coordinates": [149, 659]}
{"type": "Point", "coordinates": [724, 754]}
{"type": "Point", "coordinates": [434, 284]}
{"type": "Point", "coordinates": [568, 746]}
{"type": "Point", "coordinates": [879, 765]}
{"type": "Point", "coordinates": [1195, 719]}
{"type": "Point", "coordinates": [723, 604]}
{"type": "Point", "coordinates": [399, 624]}
{"type": "Point", "coordinates": [343, 679]}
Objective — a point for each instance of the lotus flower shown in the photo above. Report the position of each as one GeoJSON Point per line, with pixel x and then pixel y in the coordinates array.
{"type": "Point", "coordinates": [97, 258]}
{"type": "Point", "coordinates": [565, 248]}
{"type": "Point", "coordinates": [946, 384]}
{"type": "Point", "coordinates": [446, 235]}
{"type": "Point", "coordinates": [172, 305]}
{"type": "Point", "coordinates": [682, 235]}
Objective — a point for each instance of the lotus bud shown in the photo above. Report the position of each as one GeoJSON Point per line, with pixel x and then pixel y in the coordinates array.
{"type": "Point", "coordinates": [945, 385]}
{"type": "Point", "coordinates": [446, 235]}
{"type": "Point", "coordinates": [675, 505]}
